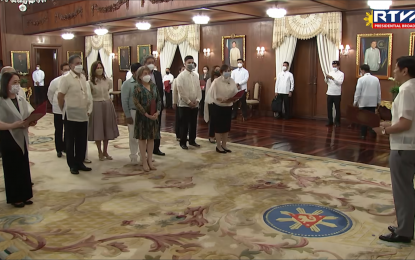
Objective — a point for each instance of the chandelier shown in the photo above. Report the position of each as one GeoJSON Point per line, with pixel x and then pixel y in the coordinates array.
{"type": "Point", "coordinates": [276, 12]}
{"type": "Point", "coordinates": [379, 5]}
{"type": "Point", "coordinates": [201, 19]}
{"type": "Point", "coordinates": [143, 25]}
{"type": "Point", "coordinates": [23, 3]}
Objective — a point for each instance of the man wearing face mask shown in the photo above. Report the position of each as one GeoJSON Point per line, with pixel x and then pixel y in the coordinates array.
{"type": "Point", "coordinates": [168, 83]}
{"type": "Point", "coordinates": [57, 112]}
{"type": "Point", "coordinates": [75, 103]}
{"type": "Point", "coordinates": [39, 83]}
{"type": "Point", "coordinates": [284, 87]}
{"type": "Point", "coordinates": [334, 81]}
{"type": "Point", "coordinates": [240, 76]}
{"type": "Point", "coordinates": [175, 101]}
{"type": "Point", "coordinates": [190, 94]}
{"type": "Point", "coordinates": [157, 79]}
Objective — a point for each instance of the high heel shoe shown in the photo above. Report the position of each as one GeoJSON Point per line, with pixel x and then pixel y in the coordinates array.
{"type": "Point", "coordinates": [19, 205]}
{"type": "Point", "coordinates": [226, 150]}
{"type": "Point", "coordinates": [101, 157]}
{"type": "Point", "coordinates": [146, 168]}
{"type": "Point", "coordinates": [219, 151]}
{"type": "Point", "coordinates": [212, 141]}
{"type": "Point", "coordinates": [108, 157]}
{"type": "Point", "coordinates": [151, 166]}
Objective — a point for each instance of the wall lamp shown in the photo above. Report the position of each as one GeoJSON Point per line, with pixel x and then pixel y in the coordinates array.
{"type": "Point", "coordinates": [344, 51]}
{"type": "Point", "coordinates": [260, 51]}
{"type": "Point", "coordinates": [112, 55]}
{"type": "Point", "coordinates": [206, 52]}
{"type": "Point", "coordinates": [155, 54]}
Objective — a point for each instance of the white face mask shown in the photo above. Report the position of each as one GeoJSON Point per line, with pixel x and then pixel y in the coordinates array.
{"type": "Point", "coordinates": [226, 75]}
{"type": "Point", "coordinates": [37, 68]}
{"type": "Point", "coordinates": [284, 68]}
{"type": "Point", "coordinates": [335, 69]}
{"type": "Point", "coordinates": [78, 69]}
{"type": "Point", "coordinates": [15, 89]}
{"type": "Point", "coordinates": [150, 66]}
{"type": "Point", "coordinates": [146, 78]}
{"type": "Point", "coordinates": [240, 65]}
{"type": "Point", "coordinates": [205, 71]}
{"type": "Point", "coordinates": [65, 72]}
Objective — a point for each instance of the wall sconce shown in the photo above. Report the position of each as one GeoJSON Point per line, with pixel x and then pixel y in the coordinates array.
{"type": "Point", "coordinates": [112, 55]}
{"type": "Point", "coordinates": [155, 54]}
{"type": "Point", "coordinates": [261, 51]}
{"type": "Point", "coordinates": [344, 51]}
{"type": "Point", "coordinates": [206, 52]}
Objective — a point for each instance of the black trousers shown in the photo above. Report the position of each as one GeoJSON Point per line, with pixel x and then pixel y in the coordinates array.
{"type": "Point", "coordinates": [202, 103]}
{"type": "Point", "coordinates": [169, 99]}
{"type": "Point", "coordinates": [244, 107]}
{"type": "Point", "coordinates": [363, 128]}
{"type": "Point", "coordinates": [336, 101]}
{"type": "Point", "coordinates": [177, 123]}
{"type": "Point", "coordinates": [39, 94]}
{"type": "Point", "coordinates": [157, 141]}
{"type": "Point", "coordinates": [285, 98]}
{"type": "Point", "coordinates": [188, 124]}
{"type": "Point", "coordinates": [211, 124]}
{"type": "Point", "coordinates": [76, 142]}
{"type": "Point", "coordinates": [59, 135]}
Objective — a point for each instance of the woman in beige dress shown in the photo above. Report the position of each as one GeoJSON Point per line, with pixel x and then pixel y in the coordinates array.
{"type": "Point", "coordinates": [103, 119]}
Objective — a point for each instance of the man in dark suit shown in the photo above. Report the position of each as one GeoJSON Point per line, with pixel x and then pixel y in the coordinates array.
{"type": "Point", "coordinates": [158, 80]}
{"type": "Point", "coordinates": [20, 64]}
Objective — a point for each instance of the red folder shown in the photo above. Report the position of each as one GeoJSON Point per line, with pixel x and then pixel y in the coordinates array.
{"type": "Point", "coordinates": [153, 107]}
{"type": "Point", "coordinates": [38, 113]}
{"type": "Point", "coordinates": [239, 94]}
{"type": "Point", "coordinates": [202, 84]}
{"type": "Point", "coordinates": [362, 117]}
{"type": "Point", "coordinates": [167, 86]}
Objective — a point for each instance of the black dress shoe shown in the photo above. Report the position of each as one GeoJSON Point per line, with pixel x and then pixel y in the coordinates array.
{"type": "Point", "coordinates": [59, 154]}
{"type": "Point", "coordinates": [74, 171]}
{"type": "Point", "coordinates": [84, 168]}
{"type": "Point", "coordinates": [226, 150]}
{"type": "Point", "coordinates": [194, 144]}
{"type": "Point", "coordinates": [394, 238]}
{"type": "Point", "coordinates": [219, 151]}
{"type": "Point", "coordinates": [159, 153]}
{"type": "Point", "coordinates": [18, 205]}
{"type": "Point", "coordinates": [33, 184]}
{"type": "Point", "coordinates": [393, 230]}
{"type": "Point", "coordinates": [184, 147]}
{"type": "Point", "coordinates": [29, 202]}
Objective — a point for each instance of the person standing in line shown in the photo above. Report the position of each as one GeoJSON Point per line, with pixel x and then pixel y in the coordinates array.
{"type": "Point", "coordinates": [74, 102]}
{"type": "Point", "coordinates": [220, 95]}
{"type": "Point", "coordinates": [13, 143]}
{"type": "Point", "coordinates": [57, 113]}
{"type": "Point", "coordinates": [367, 95]}
{"type": "Point", "coordinates": [284, 87]}
{"type": "Point", "coordinates": [39, 83]}
{"type": "Point", "coordinates": [146, 127]}
{"type": "Point", "coordinates": [103, 119]}
{"type": "Point", "coordinates": [168, 80]}
{"type": "Point", "coordinates": [203, 79]}
{"type": "Point", "coordinates": [334, 81]}
{"type": "Point", "coordinates": [128, 106]}
{"type": "Point", "coordinates": [209, 107]}
{"type": "Point", "coordinates": [175, 101]}
{"type": "Point", "coordinates": [402, 155]}
{"type": "Point", "coordinates": [241, 77]}
{"type": "Point", "coordinates": [157, 79]}
{"type": "Point", "coordinates": [190, 94]}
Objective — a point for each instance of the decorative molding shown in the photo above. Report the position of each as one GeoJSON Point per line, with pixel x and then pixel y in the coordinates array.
{"type": "Point", "coordinates": [110, 8]}
{"type": "Point", "coordinates": [38, 22]}
{"type": "Point", "coordinates": [155, 2]}
{"type": "Point", "coordinates": [69, 16]}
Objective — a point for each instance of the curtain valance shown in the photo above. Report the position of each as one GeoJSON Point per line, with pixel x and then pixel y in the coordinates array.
{"type": "Point", "coordinates": [98, 42]}
{"type": "Point", "coordinates": [179, 34]}
{"type": "Point", "coordinates": [307, 26]}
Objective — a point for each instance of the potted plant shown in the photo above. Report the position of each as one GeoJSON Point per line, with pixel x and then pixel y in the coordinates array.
{"type": "Point", "coordinates": [395, 89]}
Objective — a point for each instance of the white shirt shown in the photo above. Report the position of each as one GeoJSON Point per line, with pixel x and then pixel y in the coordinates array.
{"type": "Point", "coordinates": [188, 87]}
{"type": "Point", "coordinates": [38, 76]}
{"type": "Point", "coordinates": [367, 91]}
{"type": "Point", "coordinates": [129, 75]}
{"type": "Point", "coordinates": [53, 95]}
{"type": "Point", "coordinates": [335, 86]}
{"type": "Point", "coordinates": [284, 83]}
{"type": "Point", "coordinates": [372, 58]}
{"type": "Point", "coordinates": [404, 106]}
{"type": "Point", "coordinates": [221, 88]}
{"type": "Point", "coordinates": [169, 77]}
{"type": "Point", "coordinates": [241, 76]}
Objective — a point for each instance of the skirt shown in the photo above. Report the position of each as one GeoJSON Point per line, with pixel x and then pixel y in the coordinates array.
{"type": "Point", "coordinates": [221, 119]}
{"type": "Point", "coordinates": [103, 122]}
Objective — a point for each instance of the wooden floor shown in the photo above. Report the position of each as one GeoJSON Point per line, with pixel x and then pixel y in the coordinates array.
{"type": "Point", "coordinates": [303, 136]}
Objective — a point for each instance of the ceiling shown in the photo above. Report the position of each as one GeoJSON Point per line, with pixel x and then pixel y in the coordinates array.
{"type": "Point", "coordinates": [232, 12]}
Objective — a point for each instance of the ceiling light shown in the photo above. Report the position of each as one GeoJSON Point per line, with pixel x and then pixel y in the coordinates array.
{"type": "Point", "coordinates": [101, 31]}
{"type": "Point", "coordinates": [68, 36]}
{"type": "Point", "coordinates": [143, 25]}
{"type": "Point", "coordinates": [379, 5]}
{"type": "Point", "coordinates": [22, 8]}
{"type": "Point", "coordinates": [276, 12]}
{"type": "Point", "coordinates": [201, 19]}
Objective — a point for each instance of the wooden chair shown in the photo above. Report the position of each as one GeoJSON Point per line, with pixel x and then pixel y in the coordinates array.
{"type": "Point", "coordinates": [256, 97]}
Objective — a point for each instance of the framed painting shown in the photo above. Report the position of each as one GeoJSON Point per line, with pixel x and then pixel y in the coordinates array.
{"type": "Point", "coordinates": [142, 52]}
{"type": "Point", "coordinates": [375, 50]}
{"type": "Point", "coordinates": [70, 53]}
{"type": "Point", "coordinates": [412, 44]}
{"type": "Point", "coordinates": [233, 48]}
{"type": "Point", "coordinates": [124, 58]}
{"type": "Point", "coordinates": [21, 61]}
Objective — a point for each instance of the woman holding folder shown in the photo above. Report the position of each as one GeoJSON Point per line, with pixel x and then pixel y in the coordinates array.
{"type": "Point", "coordinates": [14, 142]}
{"type": "Point", "coordinates": [148, 104]}
{"type": "Point", "coordinates": [221, 94]}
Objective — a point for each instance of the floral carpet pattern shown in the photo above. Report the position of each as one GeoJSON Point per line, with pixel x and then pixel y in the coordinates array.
{"type": "Point", "coordinates": [198, 204]}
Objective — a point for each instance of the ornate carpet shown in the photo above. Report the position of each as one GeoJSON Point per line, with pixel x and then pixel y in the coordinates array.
{"type": "Point", "coordinates": [251, 204]}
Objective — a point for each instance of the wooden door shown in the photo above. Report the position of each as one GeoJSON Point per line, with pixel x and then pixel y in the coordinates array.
{"type": "Point", "coordinates": [304, 69]}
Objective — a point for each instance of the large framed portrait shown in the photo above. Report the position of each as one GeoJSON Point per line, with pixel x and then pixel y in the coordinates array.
{"type": "Point", "coordinates": [71, 53]}
{"type": "Point", "coordinates": [21, 61]}
{"type": "Point", "coordinates": [412, 44]}
{"type": "Point", "coordinates": [233, 48]}
{"type": "Point", "coordinates": [142, 52]}
{"type": "Point", "coordinates": [375, 50]}
{"type": "Point", "coordinates": [124, 58]}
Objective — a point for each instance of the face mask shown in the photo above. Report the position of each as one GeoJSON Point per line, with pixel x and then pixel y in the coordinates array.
{"type": "Point", "coordinates": [167, 72]}
{"type": "Point", "coordinates": [240, 65]}
{"type": "Point", "coordinates": [37, 68]}
{"type": "Point", "coordinates": [150, 66]}
{"type": "Point", "coordinates": [146, 78]}
{"type": "Point", "coordinates": [284, 68]}
{"type": "Point", "coordinates": [65, 72]}
{"type": "Point", "coordinates": [226, 75]}
{"type": "Point", "coordinates": [78, 69]}
{"type": "Point", "coordinates": [335, 69]}
{"type": "Point", "coordinates": [99, 72]}
{"type": "Point", "coordinates": [190, 66]}
{"type": "Point", "coordinates": [15, 89]}
{"type": "Point", "coordinates": [205, 71]}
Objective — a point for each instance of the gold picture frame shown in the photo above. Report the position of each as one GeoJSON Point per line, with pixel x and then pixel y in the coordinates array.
{"type": "Point", "coordinates": [383, 45]}
{"type": "Point", "coordinates": [124, 62]}
{"type": "Point", "coordinates": [21, 61]}
{"type": "Point", "coordinates": [227, 45]}
{"type": "Point", "coordinates": [141, 54]}
{"type": "Point", "coordinates": [70, 53]}
{"type": "Point", "coordinates": [412, 44]}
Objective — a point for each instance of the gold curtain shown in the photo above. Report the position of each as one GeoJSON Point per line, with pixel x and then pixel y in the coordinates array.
{"type": "Point", "coordinates": [179, 34]}
{"type": "Point", "coordinates": [98, 42]}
